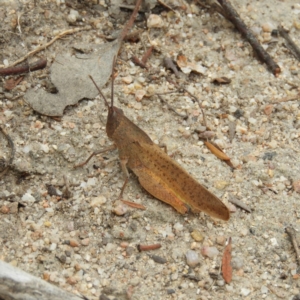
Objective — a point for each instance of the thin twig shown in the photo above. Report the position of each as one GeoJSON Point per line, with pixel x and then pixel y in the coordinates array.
{"type": "Point", "coordinates": [40, 64]}
{"type": "Point", "coordinates": [131, 20]}
{"type": "Point", "coordinates": [288, 98]}
{"type": "Point", "coordinates": [12, 152]}
{"type": "Point", "coordinates": [194, 97]}
{"type": "Point", "coordinates": [66, 191]}
{"type": "Point", "coordinates": [171, 107]}
{"type": "Point", "coordinates": [148, 247]}
{"type": "Point", "coordinates": [134, 204]}
{"type": "Point", "coordinates": [233, 16]}
{"type": "Point", "coordinates": [239, 203]}
{"type": "Point", "coordinates": [40, 48]}
{"type": "Point", "coordinates": [289, 42]}
{"type": "Point", "coordinates": [166, 5]}
{"type": "Point", "coordinates": [199, 104]}
{"type": "Point", "coordinates": [169, 64]}
{"type": "Point", "coordinates": [147, 54]}
{"type": "Point", "coordinates": [292, 234]}
{"type": "Point", "coordinates": [138, 62]}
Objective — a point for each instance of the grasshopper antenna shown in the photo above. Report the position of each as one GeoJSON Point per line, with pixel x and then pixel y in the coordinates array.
{"type": "Point", "coordinates": [112, 81]}
{"type": "Point", "coordinates": [106, 102]}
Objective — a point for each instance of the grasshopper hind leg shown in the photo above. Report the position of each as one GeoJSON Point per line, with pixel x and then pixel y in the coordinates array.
{"type": "Point", "coordinates": [157, 188]}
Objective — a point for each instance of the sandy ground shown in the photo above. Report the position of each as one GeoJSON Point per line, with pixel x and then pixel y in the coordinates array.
{"type": "Point", "coordinates": [77, 242]}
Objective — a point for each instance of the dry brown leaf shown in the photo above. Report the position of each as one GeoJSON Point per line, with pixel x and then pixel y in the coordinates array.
{"type": "Point", "coordinates": [216, 151]}
{"type": "Point", "coordinates": [296, 186]}
{"type": "Point", "coordinates": [221, 80]}
{"type": "Point", "coordinates": [268, 109]}
{"type": "Point", "coordinates": [187, 67]}
{"type": "Point", "coordinates": [12, 82]}
{"type": "Point", "coordinates": [134, 205]}
{"type": "Point", "coordinates": [226, 263]}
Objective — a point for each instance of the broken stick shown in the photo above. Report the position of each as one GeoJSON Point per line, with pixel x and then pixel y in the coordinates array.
{"type": "Point", "coordinates": [233, 16]}
{"type": "Point", "coordinates": [292, 234]}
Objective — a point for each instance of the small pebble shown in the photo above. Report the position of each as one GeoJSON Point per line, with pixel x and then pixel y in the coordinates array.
{"type": "Point", "coordinates": [47, 224]}
{"type": "Point", "coordinates": [129, 251]}
{"type": "Point", "coordinates": [192, 258]}
{"type": "Point", "coordinates": [197, 236]}
{"type": "Point", "coordinates": [98, 201]}
{"type": "Point", "coordinates": [158, 259]}
{"type": "Point", "coordinates": [52, 246]}
{"type": "Point", "coordinates": [62, 258]}
{"type": "Point", "coordinates": [127, 79]}
{"type": "Point", "coordinates": [4, 209]}
{"type": "Point", "coordinates": [170, 291]}
{"type": "Point", "coordinates": [210, 252]}
{"type": "Point", "coordinates": [139, 95]}
{"type": "Point", "coordinates": [155, 21]}
{"type": "Point", "coordinates": [237, 263]}
{"type": "Point", "coordinates": [120, 209]}
{"type": "Point", "coordinates": [74, 243]}
{"type": "Point", "coordinates": [268, 109]}
{"type": "Point", "coordinates": [28, 198]}
{"type": "Point", "coordinates": [85, 242]}
{"type": "Point", "coordinates": [72, 280]}
{"type": "Point", "coordinates": [245, 292]}
{"type": "Point", "coordinates": [296, 186]}
{"type": "Point", "coordinates": [221, 240]}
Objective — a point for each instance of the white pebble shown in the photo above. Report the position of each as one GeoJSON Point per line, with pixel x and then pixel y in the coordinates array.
{"type": "Point", "coordinates": [274, 242]}
{"type": "Point", "coordinates": [264, 289]}
{"type": "Point", "coordinates": [139, 95]}
{"type": "Point", "coordinates": [155, 21]}
{"type": "Point", "coordinates": [273, 144]}
{"type": "Point", "coordinates": [127, 79]}
{"type": "Point", "coordinates": [92, 181]}
{"type": "Point", "coordinates": [192, 258]}
{"type": "Point", "coordinates": [28, 198]}
{"type": "Point", "coordinates": [45, 148]}
{"type": "Point", "coordinates": [245, 292]}
{"type": "Point", "coordinates": [109, 247]}
{"type": "Point", "coordinates": [210, 252]}
{"type": "Point", "coordinates": [98, 201]}
{"type": "Point", "coordinates": [53, 247]}
{"type": "Point", "coordinates": [178, 226]}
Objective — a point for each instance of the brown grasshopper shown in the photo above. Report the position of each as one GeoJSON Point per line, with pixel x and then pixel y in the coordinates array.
{"type": "Point", "coordinates": [158, 174]}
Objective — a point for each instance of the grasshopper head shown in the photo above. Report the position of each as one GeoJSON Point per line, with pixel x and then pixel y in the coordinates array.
{"type": "Point", "coordinates": [113, 120]}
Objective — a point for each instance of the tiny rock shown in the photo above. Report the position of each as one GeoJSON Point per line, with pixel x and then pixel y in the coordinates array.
{"type": "Point", "coordinates": [127, 79]}
{"type": "Point", "coordinates": [296, 186]}
{"type": "Point", "coordinates": [98, 201]}
{"type": "Point", "coordinates": [85, 242]}
{"type": "Point", "coordinates": [120, 209]}
{"type": "Point", "coordinates": [221, 184]}
{"type": "Point", "coordinates": [221, 240]}
{"type": "Point", "coordinates": [72, 280]}
{"type": "Point", "coordinates": [268, 109]}
{"type": "Point", "coordinates": [192, 258]}
{"type": "Point", "coordinates": [210, 252]}
{"type": "Point", "coordinates": [245, 292]}
{"type": "Point", "coordinates": [139, 95]}
{"type": "Point", "coordinates": [197, 236]}
{"type": "Point", "coordinates": [4, 209]}
{"type": "Point", "coordinates": [155, 21]}
{"type": "Point", "coordinates": [28, 198]}
{"type": "Point", "coordinates": [74, 243]}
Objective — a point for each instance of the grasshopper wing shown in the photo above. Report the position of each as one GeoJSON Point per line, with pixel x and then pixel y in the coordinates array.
{"type": "Point", "coordinates": [166, 180]}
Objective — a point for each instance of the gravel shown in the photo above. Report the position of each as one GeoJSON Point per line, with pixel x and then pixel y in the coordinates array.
{"type": "Point", "coordinates": [78, 243]}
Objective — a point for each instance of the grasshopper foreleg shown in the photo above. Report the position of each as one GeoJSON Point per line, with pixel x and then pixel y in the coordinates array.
{"type": "Point", "coordinates": [124, 162]}
{"type": "Point", "coordinates": [112, 147]}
